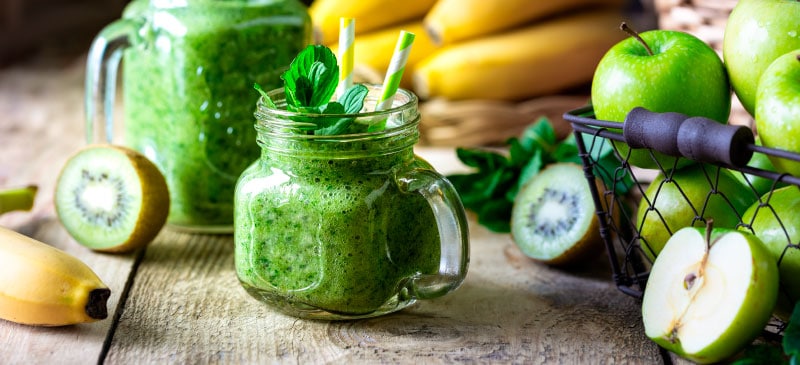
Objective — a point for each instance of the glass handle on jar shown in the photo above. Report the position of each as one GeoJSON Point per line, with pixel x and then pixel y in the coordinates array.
{"type": "Point", "coordinates": [451, 219]}
{"type": "Point", "coordinates": [101, 77]}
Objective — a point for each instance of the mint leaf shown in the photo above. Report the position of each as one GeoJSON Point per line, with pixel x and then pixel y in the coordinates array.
{"type": "Point", "coordinates": [496, 215]}
{"type": "Point", "coordinates": [567, 151]}
{"type": "Point", "coordinates": [539, 135]}
{"type": "Point", "coordinates": [481, 159]}
{"type": "Point", "coordinates": [264, 94]}
{"type": "Point", "coordinates": [311, 78]}
{"type": "Point", "coordinates": [532, 168]}
{"type": "Point", "coordinates": [761, 354]}
{"type": "Point", "coordinates": [309, 84]}
{"type": "Point", "coordinates": [791, 336]}
{"type": "Point", "coordinates": [490, 190]}
{"type": "Point", "coordinates": [353, 98]}
{"type": "Point", "coordinates": [352, 102]}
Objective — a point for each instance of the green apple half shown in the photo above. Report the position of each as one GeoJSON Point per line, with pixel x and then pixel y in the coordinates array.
{"type": "Point", "coordinates": [756, 33]}
{"type": "Point", "coordinates": [708, 296]}
{"type": "Point", "coordinates": [683, 74]}
{"type": "Point", "coordinates": [777, 224]}
{"type": "Point", "coordinates": [778, 108]}
{"type": "Point", "coordinates": [681, 198]}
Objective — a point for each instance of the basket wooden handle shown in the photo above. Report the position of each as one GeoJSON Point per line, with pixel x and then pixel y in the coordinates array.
{"type": "Point", "coordinates": [698, 138]}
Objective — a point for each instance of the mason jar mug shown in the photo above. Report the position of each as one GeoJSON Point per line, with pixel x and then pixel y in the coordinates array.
{"type": "Point", "coordinates": [346, 226]}
{"type": "Point", "coordinates": [187, 89]}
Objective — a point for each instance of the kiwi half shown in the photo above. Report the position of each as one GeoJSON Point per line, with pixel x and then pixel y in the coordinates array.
{"type": "Point", "coordinates": [111, 198]}
{"type": "Point", "coordinates": [553, 219]}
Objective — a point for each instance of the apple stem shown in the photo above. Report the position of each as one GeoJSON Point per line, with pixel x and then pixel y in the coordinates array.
{"type": "Point", "coordinates": [624, 27]}
{"type": "Point", "coordinates": [709, 228]}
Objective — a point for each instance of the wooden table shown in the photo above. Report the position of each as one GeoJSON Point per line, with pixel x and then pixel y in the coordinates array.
{"type": "Point", "coordinates": [179, 301]}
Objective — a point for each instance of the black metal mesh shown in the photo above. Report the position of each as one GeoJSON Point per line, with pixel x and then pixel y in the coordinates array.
{"type": "Point", "coordinates": [617, 212]}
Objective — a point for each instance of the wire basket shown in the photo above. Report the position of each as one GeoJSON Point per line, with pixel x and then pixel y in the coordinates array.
{"type": "Point", "coordinates": [716, 146]}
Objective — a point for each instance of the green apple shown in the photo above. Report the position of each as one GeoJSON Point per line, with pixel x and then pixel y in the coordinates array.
{"type": "Point", "coordinates": [709, 295]}
{"type": "Point", "coordinates": [677, 72]}
{"type": "Point", "coordinates": [758, 32]}
{"type": "Point", "coordinates": [777, 225]}
{"type": "Point", "coordinates": [778, 108]}
{"type": "Point", "coordinates": [680, 201]}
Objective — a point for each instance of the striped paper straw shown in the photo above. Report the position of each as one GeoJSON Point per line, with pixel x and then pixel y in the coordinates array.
{"type": "Point", "coordinates": [347, 34]}
{"type": "Point", "coordinates": [395, 71]}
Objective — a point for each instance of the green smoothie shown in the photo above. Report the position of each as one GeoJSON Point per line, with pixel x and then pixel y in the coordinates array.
{"type": "Point", "coordinates": [189, 94]}
{"type": "Point", "coordinates": [321, 231]}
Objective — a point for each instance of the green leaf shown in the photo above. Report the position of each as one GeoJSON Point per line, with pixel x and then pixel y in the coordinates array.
{"type": "Point", "coordinates": [353, 98]}
{"type": "Point", "coordinates": [567, 151]}
{"type": "Point", "coordinates": [496, 216]}
{"type": "Point", "coordinates": [531, 169]}
{"type": "Point", "coordinates": [490, 191]}
{"type": "Point", "coordinates": [264, 94]}
{"type": "Point", "coordinates": [539, 135]}
{"type": "Point", "coordinates": [480, 159]}
{"type": "Point", "coordinates": [761, 354]}
{"type": "Point", "coordinates": [519, 154]}
{"type": "Point", "coordinates": [311, 78]}
{"type": "Point", "coordinates": [791, 336]}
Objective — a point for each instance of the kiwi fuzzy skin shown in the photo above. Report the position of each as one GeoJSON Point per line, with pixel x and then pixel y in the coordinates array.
{"type": "Point", "coordinates": [155, 201]}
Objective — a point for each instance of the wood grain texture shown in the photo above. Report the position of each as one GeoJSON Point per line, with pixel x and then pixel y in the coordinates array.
{"type": "Point", "coordinates": [41, 125]}
{"type": "Point", "coordinates": [186, 306]}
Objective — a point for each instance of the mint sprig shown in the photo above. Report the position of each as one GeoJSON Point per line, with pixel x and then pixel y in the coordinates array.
{"type": "Point", "coordinates": [309, 85]}
{"type": "Point", "coordinates": [490, 190]}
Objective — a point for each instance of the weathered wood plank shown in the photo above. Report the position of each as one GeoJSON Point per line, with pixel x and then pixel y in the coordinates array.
{"type": "Point", "coordinates": [186, 306]}
{"type": "Point", "coordinates": [41, 124]}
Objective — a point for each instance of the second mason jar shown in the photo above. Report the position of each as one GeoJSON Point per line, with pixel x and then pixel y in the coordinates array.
{"type": "Point", "coordinates": [346, 226]}
{"type": "Point", "coordinates": [188, 74]}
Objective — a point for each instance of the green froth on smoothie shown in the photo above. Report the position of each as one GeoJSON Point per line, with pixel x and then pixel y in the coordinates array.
{"type": "Point", "coordinates": [189, 97]}
{"type": "Point", "coordinates": [334, 234]}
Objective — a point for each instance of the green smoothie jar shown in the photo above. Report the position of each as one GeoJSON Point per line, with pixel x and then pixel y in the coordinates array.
{"type": "Point", "coordinates": [187, 87]}
{"type": "Point", "coordinates": [346, 226]}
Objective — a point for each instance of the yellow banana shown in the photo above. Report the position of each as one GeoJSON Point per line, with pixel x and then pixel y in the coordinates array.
{"type": "Point", "coordinates": [17, 198]}
{"type": "Point", "coordinates": [537, 60]}
{"type": "Point", "coordinates": [373, 52]}
{"type": "Point", "coordinates": [450, 21]}
{"type": "Point", "coordinates": [44, 286]}
{"type": "Point", "coordinates": [369, 15]}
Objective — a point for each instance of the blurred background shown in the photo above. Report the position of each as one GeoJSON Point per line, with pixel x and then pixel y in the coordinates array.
{"type": "Point", "coordinates": [49, 34]}
{"type": "Point", "coordinates": [31, 29]}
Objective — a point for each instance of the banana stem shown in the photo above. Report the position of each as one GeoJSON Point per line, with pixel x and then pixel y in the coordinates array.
{"type": "Point", "coordinates": [17, 198]}
{"type": "Point", "coordinates": [97, 307]}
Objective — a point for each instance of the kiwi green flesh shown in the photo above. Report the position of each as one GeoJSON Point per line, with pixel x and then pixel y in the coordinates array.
{"type": "Point", "coordinates": [100, 199]}
{"type": "Point", "coordinates": [553, 219]}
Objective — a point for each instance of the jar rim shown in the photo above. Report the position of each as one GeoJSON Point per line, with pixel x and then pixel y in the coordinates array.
{"type": "Point", "coordinates": [405, 106]}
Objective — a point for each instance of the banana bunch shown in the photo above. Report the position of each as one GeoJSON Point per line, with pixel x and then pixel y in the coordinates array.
{"type": "Point", "coordinates": [543, 58]}
{"type": "Point", "coordinates": [372, 52]}
{"type": "Point", "coordinates": [477, 49]}
{"type": "Point", "coordinates": [370, 15]}
{"type": "Point", "coordinates": [40, 284]}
